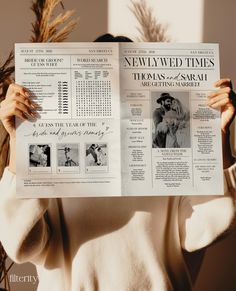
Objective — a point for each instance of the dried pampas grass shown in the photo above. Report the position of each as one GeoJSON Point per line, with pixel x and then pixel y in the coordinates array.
{"type": "Point", "coordinates": [6, 71]}
{"type": "Point", "coordinates": [151, 29]}
{"type": "Point", "coordinates": [49, 29]}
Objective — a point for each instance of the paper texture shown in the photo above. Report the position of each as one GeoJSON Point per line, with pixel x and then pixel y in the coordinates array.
{"type": "Point", "coordinates": [119, 119]}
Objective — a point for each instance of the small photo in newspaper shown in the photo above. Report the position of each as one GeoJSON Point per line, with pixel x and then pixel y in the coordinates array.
{"type": "Point", "coordinates": [68, 158]}
{"type": "Point", "coordinates": [96, 157]}
{"type": "Point", "coordinates": [40, 158]}
{"type": "Point", "coordinates": [171, 119]}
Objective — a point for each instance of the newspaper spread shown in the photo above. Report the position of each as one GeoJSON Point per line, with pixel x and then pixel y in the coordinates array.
{"type": "Point", "coordinates": [119, 119]}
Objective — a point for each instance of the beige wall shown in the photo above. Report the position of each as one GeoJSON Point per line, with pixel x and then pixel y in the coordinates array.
{"type": "Point", "coordinates": [189, 20]}
{"type": "Point", "coordinates": [16, 19]}
{"type": "Point", "coordinates": [171, 12]}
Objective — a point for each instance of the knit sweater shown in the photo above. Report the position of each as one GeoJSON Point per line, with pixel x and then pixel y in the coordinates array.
{"type": "Point", "coordinates": [112, 244]}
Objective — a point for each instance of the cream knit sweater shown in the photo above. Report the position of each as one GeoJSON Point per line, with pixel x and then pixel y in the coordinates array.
{"type": "Point", "coordinates": [111, 244]}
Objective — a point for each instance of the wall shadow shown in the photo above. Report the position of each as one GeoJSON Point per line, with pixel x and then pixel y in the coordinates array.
{"type": "Point", "coordinates": [218, 269]}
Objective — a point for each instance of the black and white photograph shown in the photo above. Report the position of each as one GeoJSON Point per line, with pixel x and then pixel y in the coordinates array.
{"type": "Point", "coordinates": [39, 157]}
{"type": "Point", "coordinates": [96, 157]}
{"type": "Point", "coordinates": [67, 157]}
{"type": "Point", "coordinates": [171, 119]}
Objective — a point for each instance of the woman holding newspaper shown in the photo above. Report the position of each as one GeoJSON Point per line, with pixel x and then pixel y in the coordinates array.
{"type": "Point", "coordinates": [112, 244]}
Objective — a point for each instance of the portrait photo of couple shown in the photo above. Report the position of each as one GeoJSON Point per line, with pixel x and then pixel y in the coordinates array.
{"type": "Point", "coordinates": [96, 154]}
{"type": "Point", "coordinates": [171, 120]}
{"type": "Point", "coordinates": [39, 155]}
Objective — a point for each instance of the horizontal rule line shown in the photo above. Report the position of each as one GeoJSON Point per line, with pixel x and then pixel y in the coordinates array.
{"type": "Point", "coordinates": [55, 47]}
{"type": "Point", "coordinates": [163, 56]}
{"type": "Point", "coordinates": [158, 68]}
{"type": "Point", "coordinates": [65, 178]}
{"type": "Point", "coordinates": [59, 68]}
{"type": "Point", "coordinates": [170, 49]}
{"type": "Point", "coordinates": [68, 54]}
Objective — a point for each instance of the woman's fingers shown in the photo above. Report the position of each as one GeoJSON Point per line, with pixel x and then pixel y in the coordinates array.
{"type": "Point", "coordinates": [24, 100]}
{"type": "Point", "coordinates": [15, 108]}
{"type": "Point", "coordinates": [218, 98]}
{"type": "Point", "coordinates": [221, 96]}
{"type": "Point", "coordinates": [20, 114]}
{"type": "Point", "coordinates": [16, 90]}
{"type": "Point", "coordinates": [18, 97]}
{"type": "Point", "coordinates": [222, 101]}
{"type": "Point", "coordinates": [219, 91]}
{"type": "Point", "coordinates": [17, 105]}
{"type": "Point", "coordinates": [224, 83]}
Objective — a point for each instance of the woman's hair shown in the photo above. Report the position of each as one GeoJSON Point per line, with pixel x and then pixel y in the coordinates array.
{"type": "Point", "coordinates": [111, 38]}
{"type": "Point", "coordinates": [182, 113]}
{"type": "Point", "coordinates": [178, 108]}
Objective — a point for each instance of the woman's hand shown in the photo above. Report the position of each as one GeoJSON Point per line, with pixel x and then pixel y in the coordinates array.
{"type": "Point", "coordinates": [224, 99]}
{"type": "Point", "coordinates": [16, 103]}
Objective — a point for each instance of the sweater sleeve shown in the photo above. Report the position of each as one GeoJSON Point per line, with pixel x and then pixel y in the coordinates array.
{"type": "Point", "coordinates": [202, 219]}
{"type": "Point", "coordinates": [23, 229]}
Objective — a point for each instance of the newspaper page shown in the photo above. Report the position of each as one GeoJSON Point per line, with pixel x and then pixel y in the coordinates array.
{"type": "Point", "coordinates": [119, 119]}
{"type": "Point", "coordinates": [171, 138]}
{"type": "Point", "coordinates": [73, 147]}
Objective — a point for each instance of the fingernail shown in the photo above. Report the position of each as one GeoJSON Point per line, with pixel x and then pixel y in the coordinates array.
{"type": "Point", "coordinates": [27, 94]}
{"type": "Point", "coordinates": [34, 113]}
{"type": "Point", "coordinates": [32, 106]}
